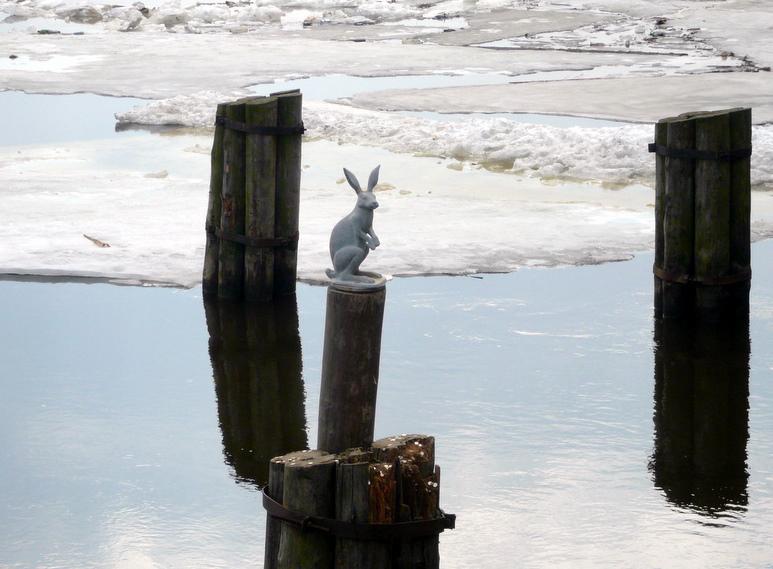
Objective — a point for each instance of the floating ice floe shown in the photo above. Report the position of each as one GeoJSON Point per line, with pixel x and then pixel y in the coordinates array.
{"type": "Point", "coordinates": [615, 155]}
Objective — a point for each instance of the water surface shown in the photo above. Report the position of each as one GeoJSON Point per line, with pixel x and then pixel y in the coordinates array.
{"type": "Point", "coordinates": [134, 422]}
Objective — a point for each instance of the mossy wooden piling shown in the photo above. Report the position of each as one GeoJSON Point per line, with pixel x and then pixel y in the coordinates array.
{"type": "Point", "coordinates": [702, 214]}
{"type": "Point", "coordinates": [253, 210]}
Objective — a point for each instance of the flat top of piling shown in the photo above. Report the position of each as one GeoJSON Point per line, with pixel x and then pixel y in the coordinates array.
{"type": "Point", "coordinates": [702, 114]}
{"type": "Point", "coordinates": [379, 283]}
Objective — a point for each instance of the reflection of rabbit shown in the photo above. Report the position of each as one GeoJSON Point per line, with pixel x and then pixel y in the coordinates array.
{"type": "Point", "coordinates": [353, 236]}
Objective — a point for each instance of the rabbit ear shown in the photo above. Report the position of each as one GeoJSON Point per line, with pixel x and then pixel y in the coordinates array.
{"type": "Point", "coordinates": [352, 180]}
{"type": "Point", "coordinates": [373, 180]}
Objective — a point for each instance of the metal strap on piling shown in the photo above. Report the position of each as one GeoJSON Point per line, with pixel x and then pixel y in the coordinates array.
{"type": "Point", "coordinates": [250, 129]}
{"type": "Point", "coordinates": [357, 531]}
{"type": "Point", "coordinates": [290, 242]}
{"type": "Point", "coordinates": [693, 154]}
{"type": "Point", "coordinates": [740, 276]}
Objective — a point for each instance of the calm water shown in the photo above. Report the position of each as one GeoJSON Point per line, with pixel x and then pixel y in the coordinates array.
{"type": "Point", "coordinates": [135, 423]}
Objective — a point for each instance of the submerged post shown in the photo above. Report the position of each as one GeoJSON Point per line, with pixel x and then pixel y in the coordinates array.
{"type": "Point", "coordinates": [702, 214]}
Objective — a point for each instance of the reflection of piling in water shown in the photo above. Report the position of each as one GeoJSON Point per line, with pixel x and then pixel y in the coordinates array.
{"type": "Point", "coordinates": [701, 413]}
{"type": "Point", "coordinates": [255, 351]}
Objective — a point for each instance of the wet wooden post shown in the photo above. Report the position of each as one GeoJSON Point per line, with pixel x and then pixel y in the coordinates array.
{"type": "Point", "coordinates": [309, 488]}
{"type": "Point", "coordinates": [231, 259]}
{"type": "Point", "coordinates": [276, 474]}
{"type": "Point", "coordinates": [350, 366]}
{"type": "Point", "coordinates": [354, 497]}
{"type": "Point", "coordinates": [702, 236]}
{"type": "Point", "coordinates": [260, 191]}
{"type": "Point", "coordinates": [288, 190]}
{"type": "Point", "coordinates": [214, 210]}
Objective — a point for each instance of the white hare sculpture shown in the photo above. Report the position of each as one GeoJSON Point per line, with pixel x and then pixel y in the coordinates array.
{"type": "Point", "coordinates": [353, 237]}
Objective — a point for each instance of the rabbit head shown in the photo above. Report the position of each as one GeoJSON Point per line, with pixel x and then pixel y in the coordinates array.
{"type": "Point", "coordinates": [365, 199]}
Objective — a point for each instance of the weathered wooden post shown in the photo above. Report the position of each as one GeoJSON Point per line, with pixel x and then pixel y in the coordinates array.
{"type": "Point", "coordinates": [288, 183]}
{"type": "Point", "coordinates": [231, 259]}
{"type": "Point", "coordinates": [702, 212]}
{"type": "Point", "coordinates": [350, 366]}
{"type": "Point", "coordinates": [253, 210]}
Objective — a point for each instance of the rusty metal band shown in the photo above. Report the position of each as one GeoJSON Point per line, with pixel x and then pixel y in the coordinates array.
{"type": "Point", "coordinates": [357, 531]}
{"type": "Point", "coordinates": [693, 154]}
{"type": "Point", "coordinates": [741, 276]}
{"type": "Point", "coordinates": [290, 242]}
{"type": "Point", "coordinates": [231, 124]}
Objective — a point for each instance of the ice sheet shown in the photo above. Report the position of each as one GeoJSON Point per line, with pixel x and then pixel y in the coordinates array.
{"type": "Point", "coordinates": [641, 99]}
{"type": "Point", "coordinates": [146, 197]}
{"type": "Point", "coordinates": [613, 155]}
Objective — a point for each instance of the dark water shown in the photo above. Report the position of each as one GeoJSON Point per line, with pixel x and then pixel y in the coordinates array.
{"type": "Point", "coordinates": [572, 431]}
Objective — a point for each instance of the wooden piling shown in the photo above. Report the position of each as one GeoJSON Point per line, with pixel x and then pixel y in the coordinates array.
{"type": "Point", "coordinates": [353, 504]}
{"type": "Point", "coordinates": [288, 190]}
{"type": "Point", "coordinates": [661, 138]}
{"type": "Point", "coordinates": [214, 211]}
{"type": "Point", "coordinates": [350, 367]}
{"type": "Point", "coordinates": [740, 208]}
{"type": "Point", "coordinates": [231, 259]}
{"type": "Point", "coordinates": [309, 488]}
{"type": "Point", "coordinates": [702, 213]}
{"type": "Point", "coordinates": [678, 223]}
{"type": "Point", "coordinates": [276, 472]}
{"type": "Point", "coordinates": [712, 210]}
{"type": "Point", "coordinates": [260, 197]}
{"type": "Point", "coordinates": [253, 209]}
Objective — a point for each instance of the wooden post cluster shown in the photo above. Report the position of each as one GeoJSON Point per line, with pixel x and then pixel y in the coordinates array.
{"type": "Point", "coordinates": [254, 196]}
{"type": "Point", "coordinates": [702, 211]}
{"type": "Point", "coordinates": [395, 480]}
{"type": "Point", "coordinates": [350, 366]}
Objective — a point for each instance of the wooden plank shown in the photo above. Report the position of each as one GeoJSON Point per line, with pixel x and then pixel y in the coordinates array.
{"type": "Point", "coordinates": [214, 211]}
{"type": "Point", "coordinates": [309, 488]}
{"type": "Point", "coordinates": [353, 505]}
{"type": "Point", "coordinates": [276, 471]}
{"type": "Point", "coordinates": [260, 196]}
{"type": "Point", "coordinates": [712, 211]}
{"type": "Point", "coordinates": [231, 262]}
{"type": "Point", "coordinates": [678, 225]}
{"type": "Point", "coordinates": [740, 208]}
{"type": "Point", "coordinates": [661, 139]}
{"type": "Point", "coordinates": [288, 190]}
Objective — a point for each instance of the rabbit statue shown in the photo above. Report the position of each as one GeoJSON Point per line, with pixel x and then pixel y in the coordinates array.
{"type": "Point", "coordinates": [353, 237]}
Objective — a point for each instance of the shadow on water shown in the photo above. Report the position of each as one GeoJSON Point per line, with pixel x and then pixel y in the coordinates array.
{"type": "Point", "coordinates": [255, 351]}
{"type": "Point", "coordinates": [702, 414]}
